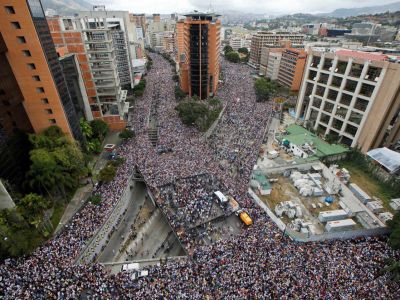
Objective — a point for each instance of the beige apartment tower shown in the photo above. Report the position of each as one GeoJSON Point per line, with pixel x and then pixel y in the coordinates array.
{"type": "Point", "coordinates": [352, 95]}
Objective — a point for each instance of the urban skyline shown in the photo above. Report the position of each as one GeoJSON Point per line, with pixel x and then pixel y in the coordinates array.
{"type": "Point", "coordinates": [268, 7]}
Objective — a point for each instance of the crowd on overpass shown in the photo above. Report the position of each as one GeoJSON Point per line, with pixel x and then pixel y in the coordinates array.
{"type": "Point", "coordinates": [258, 263]}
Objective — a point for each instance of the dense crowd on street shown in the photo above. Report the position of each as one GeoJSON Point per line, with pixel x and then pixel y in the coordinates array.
{"type": "Point", "coordinates": [258, 263]}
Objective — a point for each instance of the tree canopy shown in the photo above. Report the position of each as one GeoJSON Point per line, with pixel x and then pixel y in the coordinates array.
{"type": "Point", "coordinates": [227, 49]}
{"type": "Point", "coordinates": [126, 134]}
{"type": "Point", "coordinates": [107, 173]}
{"type": "Point", "coordinates": [264, 89]}
{"type": "Point", "coordinates": [233, 57]}
{"type": "Point", "coordinates": [243, 50]}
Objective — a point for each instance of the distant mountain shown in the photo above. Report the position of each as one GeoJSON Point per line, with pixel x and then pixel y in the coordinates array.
{"type": "Point", "coordinates": [66, 6]}
{"type": "Point", "coordinates": [349, 12]}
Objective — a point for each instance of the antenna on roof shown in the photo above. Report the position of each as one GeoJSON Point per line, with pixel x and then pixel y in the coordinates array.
{"type": "Point", "coordinates": [210, 8]}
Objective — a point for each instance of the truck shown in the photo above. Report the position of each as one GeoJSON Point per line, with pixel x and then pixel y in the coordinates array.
{"type": "Point", "coordinates": [244, 217]}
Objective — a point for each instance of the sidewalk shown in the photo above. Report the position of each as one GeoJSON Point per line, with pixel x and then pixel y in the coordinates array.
{"type": "Point", "coordinates": [74, 205]}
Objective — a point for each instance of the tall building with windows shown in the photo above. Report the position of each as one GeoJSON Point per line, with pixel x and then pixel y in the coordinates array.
{"type": "Point", "coordinates": [33, 61]}
{"type": "Point", "coordinates": [109, 103]}
{"type": "Point", "coordinates": [353, 96]}
{"type": "Point", "coordinates": [291, 68]}
{"type": "Point", "coordinates": [198, 51]}
{"type": "Point", "coordinates": [270, 40]}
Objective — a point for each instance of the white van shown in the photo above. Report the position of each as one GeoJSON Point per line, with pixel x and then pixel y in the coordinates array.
{"type": "Point", "coordinates": [220, 197]}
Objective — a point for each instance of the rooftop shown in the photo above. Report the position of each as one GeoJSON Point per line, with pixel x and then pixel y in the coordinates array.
{"type": "Point", "coordinates": [298, 135]}
{"type": "Point", "coordinates": [362, 55]}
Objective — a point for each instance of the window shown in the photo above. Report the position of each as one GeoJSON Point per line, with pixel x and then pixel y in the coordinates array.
{"type": "Point", "coordinates": [31, 66]}
{"type": "Point", "coordinates": [320, 91]}
{"type": "Point", "coordinates": [15, 25]}
{"type": "Point", "coordinates": [332, 95]}
{"type": "Point", "coordinates": [317, 102]}
{"type": "Point", "coordinates": [45, 100]}
{"type": "Point", "coordinates": [341, 67]}
{"type": "Point", "coordinates": [341, 112]}
{"type": "Point", "coordinates": [325, 118]}
{"type": "Point", "coordinates": [10, 10]}
{"type": "Point", "coordinates": [355, 117]}
{"type": "Point", "coordinates": [361, 104]}
{"type": "Point", "coordinates": [346, 99]}
{"type": "Point", "coordinates": [373, 73]}
{"type": "Point", "coordinates": [323, 78]}
{"type": "Point", "coordinates": [36, 78]}
{"type": "Point", "coordinates": [337, 81]}
{"type": "Point", "coordinates": [328, 107]}
{"type": "Point", "coordinates": [337, 124]}
{"type": "Point", "coordinates": [312, 75]}
{"type": "Point", "coordinates": [26, 53]}
{"type": "Point", "coordinates": [52, 121]}
{"type": "Point", "coordinates": [367, 90]}
{"type": "Point", "coordinates": [356, 70]}
{"type": "Point", "coordinates": [327, 66]}
{"type": "Point", "coordinates": [350, 129]}
{"type": "Point", "coordinates": [39, 90]}
{"type": "Point", "coordinates": [21, 39]}
{"type": "Point", "coordinates": [49, 111]}
{"type": "Point", "coordinates": [350, 85]}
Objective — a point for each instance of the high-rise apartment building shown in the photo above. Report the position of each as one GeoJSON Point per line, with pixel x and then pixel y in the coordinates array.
{"type": "Point", "coordinates": [198, 50]}
{"type": "Point", "coordinates": [121, 33]}
{"type": "Point", "coordinates": [352, 95]}
{"type": "Point", "coordinates": [68, 40]}
{"type": "Point", "coordinates": [270, 39]}
{"type": "Point", "coordinates": [109, 103]}
{"type": "Point", "coordinates": [33, 61]}
{"type": "Point", "coordinates": [291, 68]}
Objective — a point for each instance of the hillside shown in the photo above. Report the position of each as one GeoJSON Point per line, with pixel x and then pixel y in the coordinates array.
{"type": "Point", "coordinates": [347, 12]}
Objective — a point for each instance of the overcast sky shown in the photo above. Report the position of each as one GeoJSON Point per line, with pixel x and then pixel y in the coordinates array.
{"type": "Point", "coordinates": [256, 6]}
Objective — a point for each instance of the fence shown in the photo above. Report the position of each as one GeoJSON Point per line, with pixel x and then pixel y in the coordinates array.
{"type": "Point", "coordinates": [301, 237]}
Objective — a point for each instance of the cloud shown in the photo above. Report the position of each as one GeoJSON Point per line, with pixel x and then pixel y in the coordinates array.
{"type": "Point", "coordinates": [268, 7]}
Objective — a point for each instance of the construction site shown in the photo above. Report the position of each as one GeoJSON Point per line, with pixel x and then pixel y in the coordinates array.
{"type": "Point", "coordinates": [309, 198]}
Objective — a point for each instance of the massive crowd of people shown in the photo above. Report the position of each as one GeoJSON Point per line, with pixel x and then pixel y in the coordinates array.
{"type": "Point", "coordinates": [258, 263]}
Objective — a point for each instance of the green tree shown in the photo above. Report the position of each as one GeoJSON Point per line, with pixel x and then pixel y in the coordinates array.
{"type": "Point", "coordinates": [190, 111]}
{"type": "Point", "coordinates": [394, 225]}
{"type": "Point", "coordinates": [243, 50]}
{"type": "Point", "coordinates": [179, 94]}
{"type": "Point", "coordinates": [86, 129]}
{"type": "Point", "coordinates": [393, 269]}
{"type": "Point", "coordinates": [233, 57]}
{"type": "Point", "coordinates": [264, 89]}
{"type": "Point", "coordinates": [227, 49]}
{"type": "Point", "coordinates": [32, 208]}
{"type": "Point", "coordinates": [107, 173]}
{"type": "Point", "coordinates": [100, 129]}
{"type": "Point", "coordinates": [126, 134]}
